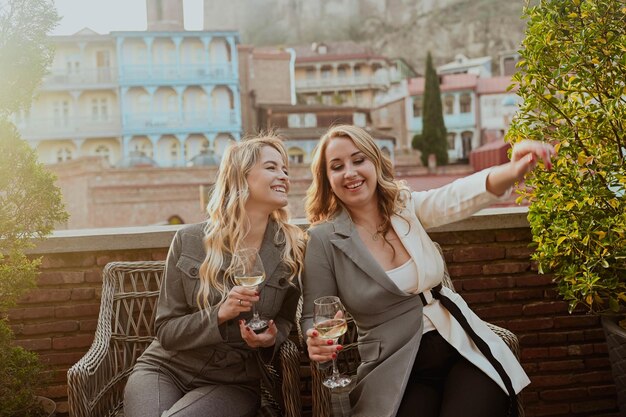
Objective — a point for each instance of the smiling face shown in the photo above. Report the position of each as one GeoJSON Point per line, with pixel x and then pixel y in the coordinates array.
{"type": "Point", "coordinates": [268, 182]}
{"type": "Point", "coordinates": [352, 176]}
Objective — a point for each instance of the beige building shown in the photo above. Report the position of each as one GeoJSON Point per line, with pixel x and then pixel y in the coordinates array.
{"type": "Point", "coordinates": [342, 74]}
{"type": "Point", "coordinates": [77, 110]}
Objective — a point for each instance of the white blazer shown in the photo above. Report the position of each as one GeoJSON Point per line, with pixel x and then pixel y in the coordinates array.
{"type": "Point", "coordinates": [430, 209]}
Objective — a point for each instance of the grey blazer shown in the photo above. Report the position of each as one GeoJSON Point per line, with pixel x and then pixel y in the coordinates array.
{"type": "Point", "coordinates": [190, 346]}
{"type": "Point", "coordinates": [389, 322]}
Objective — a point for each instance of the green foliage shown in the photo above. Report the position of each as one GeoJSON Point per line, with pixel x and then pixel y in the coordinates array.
{"type": "Point", "coordinates": [573, 85]}
{"type": "Point", "coordinates": [30, 206]}
{"type": "Point", "coordinates": [418, 142]}
{"type": "Point", "coordinates": [434, 131]}
{"type": "Point", "coordinates": [20, 375]}
{"type": "Point", "coordinates": [30, 203]}
{"type": "Point", "coordinates": [25, 50]}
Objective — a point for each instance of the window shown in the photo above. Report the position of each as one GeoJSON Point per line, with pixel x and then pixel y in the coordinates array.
{"type": "Point", "coordinates": [357, 71]}
{"type": "Point", "coordinates": [99, 109]}
{"type": "Point", "coordinates": [64, 154]}
{"type": "Point", "coordinates": [144, 148]}
{"type": "Point", "coordinates": [310, 74]}
{"type": "Point", "coordinates": [293, 120]}
{"type": "Point", "coordinates": [448, 104]}
{"type": "Point", "coordinates": [72, 65]}
{"type": "Point", "coordinates": [341, 72]}
{"type": "Point", "coordinates": [359, 119]}
{"type": "Point", "coordinates": [61, 113]}
{"type": "Point", "coordinates": [326, 72]}
{"type": "Point", "coordinates": [417, 106]}
{"type": "Point", "coordinates": [327, 99]}
{"type": "Point", "coordinates": [360, 99]}
{"type": "Point", "coordinates": [296, 155]}
{"type": "Point", "coordinates": [103, 152]}
{"type": "Point", "coordinates": [466, 103]}
{"type": "Point", "coordinates": [310, 120]}
{"type": "Point", "coordinates": [174, 151]}
{"type": "Point", "coordinates": [451, 141]}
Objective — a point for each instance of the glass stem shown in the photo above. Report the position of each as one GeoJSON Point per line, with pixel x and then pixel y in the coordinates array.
{"type": "Point", "coordinates": [335, 370]}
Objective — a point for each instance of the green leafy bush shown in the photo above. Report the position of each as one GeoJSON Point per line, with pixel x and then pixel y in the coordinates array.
{"type": "Point", "coordinates": [20, 376]}
{"type": "Point", "coordinates": [573, 85]}
{"type": "Point", "coordinates": [30, 203]}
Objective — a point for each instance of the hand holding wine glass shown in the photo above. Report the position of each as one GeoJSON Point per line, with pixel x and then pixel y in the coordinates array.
{"type": "Point", "coordinates": [329, 320]}
{"type": "Point", "coordinates": [248, 272]}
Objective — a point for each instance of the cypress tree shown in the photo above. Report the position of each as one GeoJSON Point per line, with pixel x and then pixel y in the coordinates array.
{"type": "Point", "coordinates": [434, 130]}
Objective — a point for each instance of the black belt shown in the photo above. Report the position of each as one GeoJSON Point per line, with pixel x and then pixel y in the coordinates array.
{"type": "Point", "coordinates": [478, 341]}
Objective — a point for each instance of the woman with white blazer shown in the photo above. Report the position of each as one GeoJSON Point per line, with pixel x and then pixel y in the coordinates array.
{"type": "Point", "coordinates": [423, 351]}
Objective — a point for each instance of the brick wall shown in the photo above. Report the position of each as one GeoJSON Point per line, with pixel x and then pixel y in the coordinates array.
{"type": "Point", "coordinates": [488, 258]}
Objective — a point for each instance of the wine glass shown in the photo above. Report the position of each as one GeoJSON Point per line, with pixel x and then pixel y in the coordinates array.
{"type": "Point", "coordinates": [248, 272]}
{"type": "Point", "coordinates": [329, 319]}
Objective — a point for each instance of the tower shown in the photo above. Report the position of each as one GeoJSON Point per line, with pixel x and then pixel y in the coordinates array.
{"type": "Point", "coordinates": [165, 15]}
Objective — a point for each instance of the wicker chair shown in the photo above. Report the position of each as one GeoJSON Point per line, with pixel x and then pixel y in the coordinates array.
{"type": "Point", "coordinates": [349, 360]}
{"type": "Point", "coordinates": [126, 327]}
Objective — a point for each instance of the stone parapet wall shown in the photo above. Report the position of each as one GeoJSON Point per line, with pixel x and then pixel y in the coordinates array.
{"type": "Point", "coordinates": [488, 257]}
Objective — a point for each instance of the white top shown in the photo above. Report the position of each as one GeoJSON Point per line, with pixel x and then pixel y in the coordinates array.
{"type": "Point", "coordinates": [405, 278]}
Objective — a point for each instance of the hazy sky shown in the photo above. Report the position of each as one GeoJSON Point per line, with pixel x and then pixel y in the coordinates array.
{"type": "Point", "coordinates": [105, 16]}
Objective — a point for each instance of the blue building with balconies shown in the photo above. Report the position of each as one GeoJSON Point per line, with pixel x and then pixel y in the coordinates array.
{"type": "Point", "coordinates": [179, 93]}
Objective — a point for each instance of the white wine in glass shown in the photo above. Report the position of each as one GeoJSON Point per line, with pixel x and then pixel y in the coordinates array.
{"type": "Point", "coordinates": [329, 319]}
{"type": "Point", "coordinates": [248, 272]}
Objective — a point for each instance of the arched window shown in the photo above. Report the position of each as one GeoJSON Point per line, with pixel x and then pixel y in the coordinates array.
{"type": "Point", "coordinates": [64, 154]}
{"type": "Point", "coordinates": [296, 155]}
{"type": "Point", "coordinates": [103, 152]}
{"type": "Point", "coordinates": [174, 151]}
{"type": "Point", "coordinates": [451, 140]}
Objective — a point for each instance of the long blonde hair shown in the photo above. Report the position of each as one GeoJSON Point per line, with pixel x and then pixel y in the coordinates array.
{"type": "Point", "coordinates": [322, 204]}
{"type": "Point", "coordinates": [226, 226]}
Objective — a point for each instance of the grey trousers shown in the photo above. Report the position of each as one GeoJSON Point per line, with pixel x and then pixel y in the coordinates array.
{"type": "Point", "coordinates": [150, 393]}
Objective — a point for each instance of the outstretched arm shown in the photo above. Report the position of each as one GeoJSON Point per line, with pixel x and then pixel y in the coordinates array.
{"type": "Point", "coordinates": [523, 160]}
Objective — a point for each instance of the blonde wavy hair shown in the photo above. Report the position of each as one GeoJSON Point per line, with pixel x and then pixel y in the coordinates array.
{"type": "Point", "coordinates": [226, 226]}
{"type": "Point", "coordinates": [322, 204]}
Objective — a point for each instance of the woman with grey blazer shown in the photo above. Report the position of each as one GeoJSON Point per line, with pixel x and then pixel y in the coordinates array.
{"type": "Point", "coordinates": [424, 353]}
{"type": "Point", "coordinates": [206, 360]}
